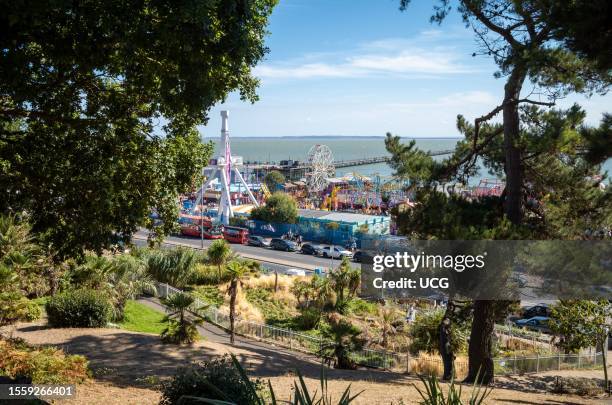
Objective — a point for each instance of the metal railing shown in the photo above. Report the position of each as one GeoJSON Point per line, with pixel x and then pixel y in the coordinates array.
{"type": "Point", "coordinates": [388, 360]}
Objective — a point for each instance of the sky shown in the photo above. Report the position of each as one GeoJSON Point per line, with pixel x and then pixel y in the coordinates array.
{"type": "Point", "coordinates": [363, 68]}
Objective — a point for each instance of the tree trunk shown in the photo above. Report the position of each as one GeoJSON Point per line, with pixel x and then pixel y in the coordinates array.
{"type": "Point", "coordinates": [480, 355]}
{"type": "Point", "coordinates": [232, 314]}
{"type": "Point", "coordinates": [604, 360]}
{"type": "Point", "coordinates": [513, 165]}
{"type": "Point", "coordinates": [446, 352]}
{"type": "Point", "coordinates": [481, 343]}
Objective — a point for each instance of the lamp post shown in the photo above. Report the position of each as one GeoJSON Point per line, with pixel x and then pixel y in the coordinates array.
{"type": "Point", "coordinates": [202, 212]}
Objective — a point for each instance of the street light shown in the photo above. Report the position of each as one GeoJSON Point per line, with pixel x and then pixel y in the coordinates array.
{"type": "Point", "coordinates": [202, 212]}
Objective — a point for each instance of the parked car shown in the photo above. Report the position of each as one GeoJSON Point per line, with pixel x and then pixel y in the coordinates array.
{"type": "Point", "coordinates": [538, 323]}
{"type": "Point", "coordinates": [310, 249]}
{"type": "Point", "coordinates": [360, 257]}
{"type": "Point", "coordinates": [258, 241]}
{"type": "Point", "coordinates": [295, 272]}
{"type": "Point", "coordinates": [337, 252]}
{"type": "Point", "coordinates": [283, 244]}
{"type": "Point", "coordinates": [536, 310]}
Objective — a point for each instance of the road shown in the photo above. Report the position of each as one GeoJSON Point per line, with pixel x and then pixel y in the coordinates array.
{"type": "Point", "coordinates": [271, 259]}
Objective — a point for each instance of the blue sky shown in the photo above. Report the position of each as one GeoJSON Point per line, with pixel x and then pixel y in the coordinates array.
{"type": "Point", "coordinates": [362, 67]}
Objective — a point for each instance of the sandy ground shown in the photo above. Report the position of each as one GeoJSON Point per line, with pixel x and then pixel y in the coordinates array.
{"type": "Point", "coordinates": [127, 367]}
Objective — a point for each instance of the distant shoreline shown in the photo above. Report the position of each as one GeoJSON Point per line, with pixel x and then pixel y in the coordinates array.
{"type": "Point", "coordinates": [334, 137]}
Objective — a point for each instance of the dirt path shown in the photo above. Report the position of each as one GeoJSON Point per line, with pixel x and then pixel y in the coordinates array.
{"type": "Point", "coordinates": [125, 364]}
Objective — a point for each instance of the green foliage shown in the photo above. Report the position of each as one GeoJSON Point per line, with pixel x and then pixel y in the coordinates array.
{"type": "Point", "coordinates": [274, 179]}
{"type": "Point", "coordinates": [580, 324]}
{"type": "Point", "coordinates": [209, 275]}
{"type": "Point", "coordinates": [180, 328]}
{"type": "Point", "coordinates": [78, 90]}
{"type": "Point", "coordinates": [254, 393]}
{"type": "Point", "coordinates": [47, 365]}
{"type": "Point", "coordinates": [360, 307]}
{"type": "Point", "coordinates": [209, 294]}
{"type": "Point", "coordinates": [33, 312]}
{"type": "Point", "coordinates": [121, 278]}
{"type": "Point", "coordinates": [434, 395]}
{"type": "Point", "coordinates": [176, 267]}
{"type": "Point", "coordinates": [345, 283]}
{"type": "Point", "coordinates": [280, 208]}
{"type": "Point", "coordinates": [577, 25]}
{"type": "Point", "coordinates": [309, 319]}
{"type": "Point", "coordinates": [22, 267]}
{"type": "Point", "coordinates": [79, 309]}
{"type": "Point", "coordinates": [219, 252]}
{"type": "Point", "coordinates": [344, 338]}
{"type": "Point", "coordinates": [217, 379]}
{"type": "Point", "coordinates": [140, 318]}
{"type": "Point", "coordinates": [273, 310]}
{"type": "Point", "coordinates": [425, 333]}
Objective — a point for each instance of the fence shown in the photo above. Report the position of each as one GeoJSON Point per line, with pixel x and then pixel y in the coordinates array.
{"type": "Point", "coordinates": [392, 361]}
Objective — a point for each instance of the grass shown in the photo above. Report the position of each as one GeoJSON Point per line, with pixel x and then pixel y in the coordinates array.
{"type": "Point", "coordinates": [141, 318]}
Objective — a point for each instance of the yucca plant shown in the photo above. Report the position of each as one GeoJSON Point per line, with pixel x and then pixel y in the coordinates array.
{"type": "Point", "coordinates": [301, 396]}
{"type": "Point", "coordinates": [434, 395]}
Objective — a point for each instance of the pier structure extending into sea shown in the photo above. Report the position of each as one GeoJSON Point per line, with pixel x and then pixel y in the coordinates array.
{"type": "Point", "coordinates": [295, 170]}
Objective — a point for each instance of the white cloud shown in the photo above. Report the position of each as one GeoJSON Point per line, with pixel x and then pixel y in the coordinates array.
{"type": "Point", "coordinates": [386, 57]}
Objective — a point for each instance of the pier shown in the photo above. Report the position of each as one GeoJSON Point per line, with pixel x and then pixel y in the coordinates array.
{"type": "Point", "coordinates": [381, 159]}
{"type": "Point", "coordinates": [295, 170]}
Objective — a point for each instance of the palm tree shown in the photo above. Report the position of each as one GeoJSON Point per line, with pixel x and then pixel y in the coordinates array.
{"type": "Point", "coordinates": [180, 329]}
{"type": "Point", "coordinates": [219, 253]}
{"type": "Point", "coordinates": [344, 337]}
{"type": "Point", "coordinates": [236, 271]}
{"type": "Point", "coordinates": [387, 318]}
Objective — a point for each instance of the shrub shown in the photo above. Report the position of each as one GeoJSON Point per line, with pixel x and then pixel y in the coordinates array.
{"type": "Point", "coordinates": [309, 319]}
{"type": "Point", "coordinates": [79, 308]}
{"type": "Point", "coordinates": [360, 307]}
{"type": "Point", "coordinates": [33, 311]}
{"type": "Point", "coordinates": [215, 379]}
{"type": "Point", "coordinates": [42, 365]}
{"type": "Point", "coordinates": [425, 333]}
{"type": "Point", "coordinates": [280, 208]}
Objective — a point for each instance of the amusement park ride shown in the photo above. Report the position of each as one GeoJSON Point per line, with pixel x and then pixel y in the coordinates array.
{"type": "Point", "coordinates": [222, 169]}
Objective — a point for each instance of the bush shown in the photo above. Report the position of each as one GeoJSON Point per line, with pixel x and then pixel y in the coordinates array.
{"type": "Point", "coordinates": [425, 333]}
{"type": "Point", "coordinates": [33, 311]}
{"type": "Point", "coordinates": [79, 309]}
{"type": "Point", "coordinates": [206, 379]}
{"type": "Point", "coordinates": [309, 319]}
{"type": "Point", "coordinates": [43, 366]}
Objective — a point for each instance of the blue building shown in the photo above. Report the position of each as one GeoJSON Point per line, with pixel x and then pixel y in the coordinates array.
{"type": "Point", "coordinates": [327, 226]}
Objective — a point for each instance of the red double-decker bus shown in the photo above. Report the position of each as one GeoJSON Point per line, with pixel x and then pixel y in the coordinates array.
{"type": "Point", "coordinates": [235, 234]}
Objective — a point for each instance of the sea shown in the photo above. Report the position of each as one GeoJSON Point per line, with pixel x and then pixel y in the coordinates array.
{"type": "Point", "coordinates": [275, 149]}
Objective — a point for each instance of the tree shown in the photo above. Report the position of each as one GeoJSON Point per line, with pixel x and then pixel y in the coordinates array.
{"type": "Point", "coordinates": [219, 252]}
{"type": "Point", "coordinates": [280, 208]}
{"type": "Point", "coordinates": [344, 337]}
{"type": "Point", "coordinates": [236, 270]}
{"type": "Point", "coordinates": [582, 323]}
{"type": "Point", "coordinates": [99, 103]}
{"type": "Point", "coordinates": [274, 179]}
{"type": "Point", "coordinates": [520, 42]}
{"type": "Point", "coordinates": [584, 26]}
{"type": "Point", "coordinates": [180, 328]}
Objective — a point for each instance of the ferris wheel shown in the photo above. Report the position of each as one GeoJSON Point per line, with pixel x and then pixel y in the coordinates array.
{"type": "Point", "coordinates": [320, 159]}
